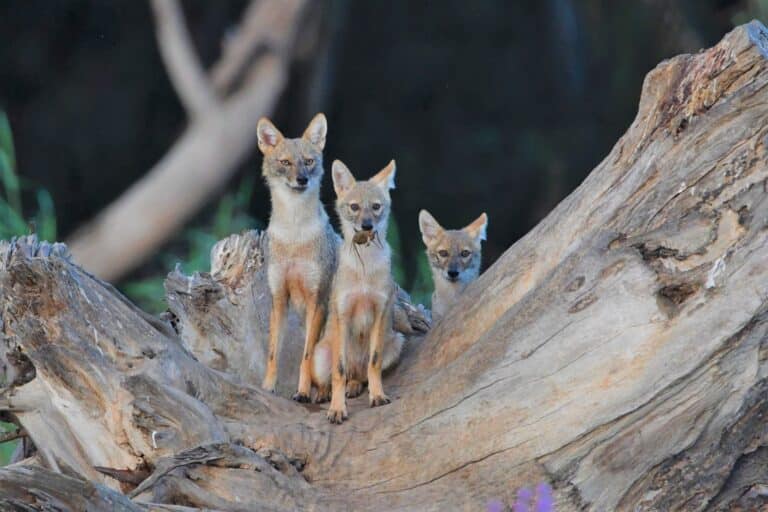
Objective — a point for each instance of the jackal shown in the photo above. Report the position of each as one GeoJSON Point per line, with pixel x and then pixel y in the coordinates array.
{"type": "Point", "coordinates": [454, 256]}
{"type": "Point", "coordinates": [359, 341]}
{"type": "Point", "coordinates": [302, 243]}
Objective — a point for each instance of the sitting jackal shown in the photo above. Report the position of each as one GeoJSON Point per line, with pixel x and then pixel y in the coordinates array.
{"type": "Point", "coordinates": [359, 341]}
{"type": "Point", "coordinates": [302, 243]}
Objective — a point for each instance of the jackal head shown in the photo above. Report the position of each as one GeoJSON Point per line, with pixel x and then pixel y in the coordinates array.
{"type": "Point", "coordinates": [454, 254]}
{"type": "Point", "coordinates": [296, 164]}
{"type": "Point", "coordinates": [363, 206]}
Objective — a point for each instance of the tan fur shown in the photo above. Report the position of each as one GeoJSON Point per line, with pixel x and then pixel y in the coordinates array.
{"type": "Point", "coordinates": [451, 251]}
{"type": "Point", "coordinates": [359, 341]}
{"type": "Point", "coordinates": [302, 244]}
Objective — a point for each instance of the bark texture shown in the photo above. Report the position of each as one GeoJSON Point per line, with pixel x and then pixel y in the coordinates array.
{"type": "Point", "coordinates": [617, 351]}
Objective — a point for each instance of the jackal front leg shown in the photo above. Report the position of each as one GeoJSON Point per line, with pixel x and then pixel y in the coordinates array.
{"type": "Point", "coordinates": [279, 303]}
{"type": "Point", "coordinates": [314, 321]}
{"type": "Point", "coordinates": [381, 325]}
{"type": "Point", "coordinates": [337, 412]}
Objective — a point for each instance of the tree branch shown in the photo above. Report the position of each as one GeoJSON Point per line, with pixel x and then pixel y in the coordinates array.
{"type": "Point", "coordinates": [180, 58]}
{"type": "Point", "coordinates": [199, 164]}
{"type": "Point", "coordinates": [11, 436]}
{"type": "Point", "coordinates": [255, 33]}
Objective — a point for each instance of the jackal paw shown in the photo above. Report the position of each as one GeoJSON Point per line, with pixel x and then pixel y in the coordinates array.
{"type": "Point", "coordinates": [302, 398]}
{"type": "Point", "coordinates": [337, 416]}
{"type": "Point", "coordinates": [323, 395]}
{"type": "Point", "coordinates": [354, 388]}
{"type": "Point", "coordinates": [268, 385]}
{"type": "Point", "coordinates": [378, 400]}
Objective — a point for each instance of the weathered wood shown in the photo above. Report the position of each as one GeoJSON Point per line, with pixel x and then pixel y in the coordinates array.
{"type": "Point", "coordinates": [618, 351]}
{"type": "Point", "coordinates": [34, 488]}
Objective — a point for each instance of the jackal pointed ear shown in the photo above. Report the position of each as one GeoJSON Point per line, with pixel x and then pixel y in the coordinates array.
{"type": "Point", "coordinates": [343, 180]}
{"type": "Point", "coordinates": [316, 131]}
{"type": "Point", "coordinates": [385, 178]}
{"type": "Point", "coordinates": [477, 228]}
{"type": "Point", "coordinates": [268, 135]}
{"type": "Point", "coordinates": [430, 228]}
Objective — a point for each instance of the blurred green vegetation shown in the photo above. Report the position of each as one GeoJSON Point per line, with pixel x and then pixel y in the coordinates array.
{"type": "Point", "coordinates": [421, 286]}
{"type": "Point", "coordinates": [12, 219]}
{"type": "Point", "coordinates": [192, 251]}
{"type": "Point", "coordinates": [6, 449]}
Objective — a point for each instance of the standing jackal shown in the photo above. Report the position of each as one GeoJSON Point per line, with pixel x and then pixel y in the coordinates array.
{"type": "Point", "coordinates": [302, 243]}
{"type": "Point", "coordinates": [359, 341]}
{"type": "Point", "coordinates": [454, 256]}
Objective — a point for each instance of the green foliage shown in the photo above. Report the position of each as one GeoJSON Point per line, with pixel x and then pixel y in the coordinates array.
{"type": "Point", "coordinates": [6, 449]}
{"type": "Point", "coordinates": [421, 289]}
{"type": "Point", "coordinates": [398, 264]}
{"type": "Point", "coordinates": [12, 220]}
{"type": "Point", "coordinates": [753, 10]}
{"type": "Point", "coordinates": [192, 252]}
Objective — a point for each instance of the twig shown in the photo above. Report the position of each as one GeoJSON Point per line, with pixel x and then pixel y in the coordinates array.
{"type": "Point", "coordinates": [128, 476]}
{"type": "Point", "coordinates": [10, 436]}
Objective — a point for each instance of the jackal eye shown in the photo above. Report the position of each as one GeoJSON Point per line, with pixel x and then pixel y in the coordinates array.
{"type": "Point", "coordinates": [309, 162]}
{"type": "Point", "coordinates": [376, 206]}
{"type": "Point", "coordinates": [465, 253]}
{"type": "Point", "coordinates": [354, 207]}
{"type": "Point", "coordinates": [442, 253]}
{"type": "Point", "coordinates": [285, 163]}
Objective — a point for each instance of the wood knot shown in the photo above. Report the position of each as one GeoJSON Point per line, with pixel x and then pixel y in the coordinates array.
{"type": "Point", "coordinates": [575, 284]}
{"type": "Point", "coordinates": [672, 296]}
{"type": "Point", "coordinates": [678, 293]}
{"type": "Point", "coordinates": [745, 216]}
{"type": "Point", "coordinates": [583, 303]}
{"type": "Point", "coordinates": [649, 252]}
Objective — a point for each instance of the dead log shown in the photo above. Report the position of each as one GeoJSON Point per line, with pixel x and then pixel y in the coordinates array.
{"type": "Point", "coordinates": [618, 351]}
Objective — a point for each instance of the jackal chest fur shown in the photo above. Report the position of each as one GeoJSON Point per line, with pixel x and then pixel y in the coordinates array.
{"type": "Point", "coordinates": [302, 249]}
{"type": "Point", "coordinates": [363, 285]}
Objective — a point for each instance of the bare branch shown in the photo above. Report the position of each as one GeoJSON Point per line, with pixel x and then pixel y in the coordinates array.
{"type": "Point", "coordinates": [183, 66]}
{"type": "Point", "coordinates": [197, 166]}
{"type": "Point", "coordinates": [255, 31]}
{"type": "Point", "coordinates": [11, 436]}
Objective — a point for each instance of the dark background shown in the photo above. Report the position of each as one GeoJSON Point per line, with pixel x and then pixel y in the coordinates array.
{"type": "Point", "coordinates": [498, 106]}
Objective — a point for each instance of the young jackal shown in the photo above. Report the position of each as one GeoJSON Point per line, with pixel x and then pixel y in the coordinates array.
{"type": "Point", "coordinates": [454, 255]}
{"type": "Point", "coordinates": [302, 243]}
{"type": "Point", "coordinates": [359, 340]}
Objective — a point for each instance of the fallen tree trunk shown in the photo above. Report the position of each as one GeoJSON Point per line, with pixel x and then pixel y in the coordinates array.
{"type": "Point", "coordinates": [618, 351]}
